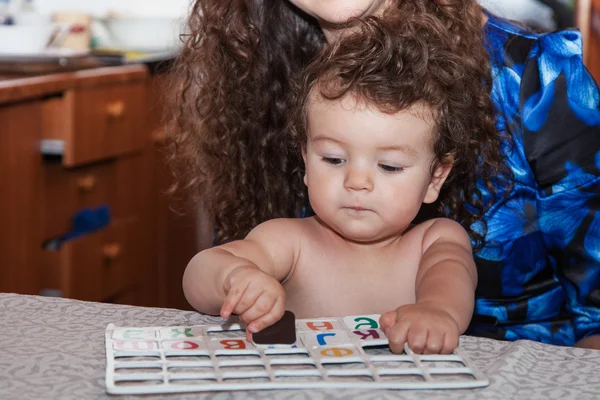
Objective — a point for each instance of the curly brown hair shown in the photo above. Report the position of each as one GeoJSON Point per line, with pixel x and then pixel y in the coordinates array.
{"type": "Point", "coordinates": [232, 93]}
{"type": "Point", "coordinates": [404, 59]}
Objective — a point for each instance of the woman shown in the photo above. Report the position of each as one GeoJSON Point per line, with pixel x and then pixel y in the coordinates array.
{"type": "Point", "coordinates": [539, 270]}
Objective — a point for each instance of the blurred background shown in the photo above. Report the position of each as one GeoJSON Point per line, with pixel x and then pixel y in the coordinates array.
{"type": "Point", "coordinates": [545, 15]}
{"type": "Point", "coordinates": [84, 208]}
{"type": "Point", "coordinates": [30, 26]}
{"type": "Point", "coordinates": [153, 26]}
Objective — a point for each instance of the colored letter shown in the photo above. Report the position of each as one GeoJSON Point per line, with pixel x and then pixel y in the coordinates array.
{"type": "Point", "coordinates": [133, 345]}
{"type": "Point", "coordinates": [321, 338]}
{"type": "Point", "coordinates": [133, 334]}
{"type": "Point", "coordinates": [368, 322]}
{"type": "Point", "coordinates": [233, 344]}
{"type": "Point", "coordinates": [365, 334]}
{"type": "Point", "coordinates": [186, 332]}
{"type": "Point", "coordinates": [184, 345]}
{"type": "Point", "coordinates": [336, 352]}
{"type": "Point", "coordinates": [322, 326]}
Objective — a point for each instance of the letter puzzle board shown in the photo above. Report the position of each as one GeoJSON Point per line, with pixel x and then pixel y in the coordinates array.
{"type": "Point", "coordinates": [349, 352]}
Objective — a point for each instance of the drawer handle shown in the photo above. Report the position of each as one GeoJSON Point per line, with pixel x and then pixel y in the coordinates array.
{"type": "Point", "coordinates": [112, 251]}
{"type": "Point", "coordinates": [87, 183]}
{"type": "Point", "coordinates": [116, 109]}
{"type": "Point", "coordinates": [159, 136]}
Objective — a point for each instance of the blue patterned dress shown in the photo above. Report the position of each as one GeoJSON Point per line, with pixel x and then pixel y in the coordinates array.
{"type": "Point", "coordinates": [539, 274]}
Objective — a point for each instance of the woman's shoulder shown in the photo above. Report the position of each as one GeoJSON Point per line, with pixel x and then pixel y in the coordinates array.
{"type": "Point", "coordinates": [513, 44]}
{"type": "Point", "coordinates": [498, 25]}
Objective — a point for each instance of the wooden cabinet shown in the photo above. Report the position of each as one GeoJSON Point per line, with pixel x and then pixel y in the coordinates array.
{"type": "Point", "coordinates": [100, 266]}
{"type": "Point", "coordinates": [179, 232]}
{"type": "Point", "coordinates": [103, 264]}
{"type": "Point", "coordinates": [20, 212]}
{"type": "Point", "coordinates": [101, 130]}
{"type": "Point", "coordinates": [112, 118]}
{"type": "Point", "coordinates": [587, 18]}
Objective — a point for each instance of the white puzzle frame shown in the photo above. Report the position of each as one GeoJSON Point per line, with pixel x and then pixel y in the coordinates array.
{"type": "Point", "coordinates": [326, 355]}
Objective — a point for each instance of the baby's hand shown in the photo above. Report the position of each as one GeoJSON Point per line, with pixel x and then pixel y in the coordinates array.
{"type": "Point", "coordinates": [254, 295]}
{"type": "Point", "coordinates": [427, 328]}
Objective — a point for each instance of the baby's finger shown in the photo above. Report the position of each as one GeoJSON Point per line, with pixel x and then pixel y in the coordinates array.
{"type": "Point", "coordinates": [263, 305]}
{"type": "Point", "coordinates": [450, 343]}
{"type": "Point", "coordinates": [247, 301]}
{"type": "Point", "coordinates": [232, 300]}
{"type": "Point", "coordinates": [417, 339]}
{"type": "Point", "coordinates": [435, 343]}
{"type": "Point", "coordinates": [387, 320]}
{"type": "Point", "coordinates": [274, 315]}
{"type": "Point", "coordinates": [397, 336]}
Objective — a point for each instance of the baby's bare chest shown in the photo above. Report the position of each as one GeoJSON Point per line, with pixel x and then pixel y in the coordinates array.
{"type": "Point", "coordinates": [327, 283]}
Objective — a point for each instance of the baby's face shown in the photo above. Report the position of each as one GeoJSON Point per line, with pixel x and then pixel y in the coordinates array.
{"type": "Point", "coordinates": [368, 172]}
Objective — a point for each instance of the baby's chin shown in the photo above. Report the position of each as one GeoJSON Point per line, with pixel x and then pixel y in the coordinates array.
{"type": "Point", "coordinates": [363, 235]}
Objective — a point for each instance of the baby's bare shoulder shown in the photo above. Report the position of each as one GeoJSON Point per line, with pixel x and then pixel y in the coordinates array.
{"type": "Point", "coordinates": [276, 226]}
{"type": "Point", "coordinates": [440, 230]}
{"type": "Point", "coordinates": [437, 228]}
{"type": "Point", "coordinates": [291, 230]}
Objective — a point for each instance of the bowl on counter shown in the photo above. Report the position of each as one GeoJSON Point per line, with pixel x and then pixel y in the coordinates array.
{"type": "Point", "coordinates": [30, 39]}
{"type": "Point", "coordinates": [143, 34]}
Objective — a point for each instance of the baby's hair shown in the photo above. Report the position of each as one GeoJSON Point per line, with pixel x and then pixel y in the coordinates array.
{"type": "Point", "coordinates": [402, 60]}
{"type": "Point", "coordinates": [231, 94]}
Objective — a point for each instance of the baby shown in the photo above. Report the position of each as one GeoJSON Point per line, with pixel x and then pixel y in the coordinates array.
{"type": "Point", "coordinates": [382, 124]}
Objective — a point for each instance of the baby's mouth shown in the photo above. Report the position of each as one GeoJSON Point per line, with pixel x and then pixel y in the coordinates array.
{"type": "Point", "coordinates": [357, 208]}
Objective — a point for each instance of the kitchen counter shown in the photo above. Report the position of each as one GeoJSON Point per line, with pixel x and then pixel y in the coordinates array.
{"type": "Point", "coordinates": [14, 88]}
{"type": "Point", "coordinates": [21, 81]}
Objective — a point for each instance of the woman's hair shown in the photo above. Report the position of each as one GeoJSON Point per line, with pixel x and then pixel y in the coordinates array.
{"type": "Point", "coordinates": [232, 94]}
{"type": "Point", "coordinates": [401, 60]}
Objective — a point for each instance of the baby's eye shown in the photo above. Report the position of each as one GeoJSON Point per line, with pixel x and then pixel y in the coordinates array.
{"type": "Point", "coordinates": [333, 160]}
{"type": "Point", "coordinates": [390, 168]}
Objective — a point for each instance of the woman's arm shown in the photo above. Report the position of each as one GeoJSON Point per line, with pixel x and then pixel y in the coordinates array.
{"type": "Point", "coordinates": [561, 138]}
{"type": "Point", "coordinates": [590, 342]}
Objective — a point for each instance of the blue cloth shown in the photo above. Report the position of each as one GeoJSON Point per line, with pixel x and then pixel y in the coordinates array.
{"type": "Point", "coordinates": [84, 222]}
{"type": "Point", "coordinates": [539, 273]}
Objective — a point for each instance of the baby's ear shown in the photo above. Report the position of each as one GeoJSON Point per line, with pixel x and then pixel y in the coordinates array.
{"type": "Point", "coordinates": [439, 176]}
{"type": "Point", "coordinates": [304, 158]}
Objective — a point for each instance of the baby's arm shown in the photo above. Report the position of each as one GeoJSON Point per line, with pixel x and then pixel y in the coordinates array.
{"type": "Point", "coordinates": [244, 276]}
{"type": "Point", "coordinates": [445, 293]}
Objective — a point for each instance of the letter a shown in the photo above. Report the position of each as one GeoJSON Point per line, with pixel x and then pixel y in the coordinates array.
{"type": "Point", "coordinates": [369, 323]}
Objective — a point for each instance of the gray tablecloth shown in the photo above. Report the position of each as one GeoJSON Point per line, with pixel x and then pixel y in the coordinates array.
{"type": "Point", "coordinates": [54, 349]}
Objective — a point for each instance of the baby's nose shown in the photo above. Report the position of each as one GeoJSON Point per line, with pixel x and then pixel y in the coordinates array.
{"type": "Point", "coordinates": [358, 179]}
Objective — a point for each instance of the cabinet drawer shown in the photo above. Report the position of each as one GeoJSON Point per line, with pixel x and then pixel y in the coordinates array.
{"type": "Point", "coordinates": [109, 121]}
{"type": "Point", "coordinates": [98, 266]}
{"type": "Point", "coordinates": [101, 122]}
{"type": "Point", "coordinates": [121, 257]}
{"type": "Point", "coordinates": [68, 190]}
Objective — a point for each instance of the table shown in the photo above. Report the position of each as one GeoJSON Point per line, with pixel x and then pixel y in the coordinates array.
{"type": "Point", "coordinates": [53, 348]}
